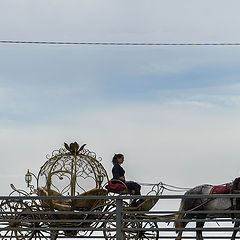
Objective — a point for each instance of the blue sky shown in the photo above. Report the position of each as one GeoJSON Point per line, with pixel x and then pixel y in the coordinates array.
{"type": "Point", "coordinates": [45, 80]}
{"type": "Point", "coordinates": [161, 106]}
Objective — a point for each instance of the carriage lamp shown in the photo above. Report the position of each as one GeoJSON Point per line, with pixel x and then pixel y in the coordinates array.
{"type": "Point", "coordinates": [100, 179]}
{"type": "Point", "coordinates": [28, 178]}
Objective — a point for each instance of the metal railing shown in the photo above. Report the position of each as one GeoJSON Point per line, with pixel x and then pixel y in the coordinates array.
{"type": "Point", "coordinates": [110, 218]}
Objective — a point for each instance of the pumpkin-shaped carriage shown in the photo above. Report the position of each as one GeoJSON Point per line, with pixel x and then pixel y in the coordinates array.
{"type": "Point", "coordinates": [69, 174]}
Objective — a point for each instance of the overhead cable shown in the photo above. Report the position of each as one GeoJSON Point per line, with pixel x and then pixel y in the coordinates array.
{"type": "Point", "coordinates": [118, 43]}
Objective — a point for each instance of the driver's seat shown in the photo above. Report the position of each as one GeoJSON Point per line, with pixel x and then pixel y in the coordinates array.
{"type": "Point", "coordinates": [117, 186]}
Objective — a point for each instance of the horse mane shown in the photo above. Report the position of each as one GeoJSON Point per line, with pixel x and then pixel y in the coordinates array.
{"type": "Point", "coordinates": [235, 184]}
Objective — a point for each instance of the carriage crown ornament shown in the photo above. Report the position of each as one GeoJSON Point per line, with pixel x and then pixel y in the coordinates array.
{"type": "Point", "coordinates": [69, 171]}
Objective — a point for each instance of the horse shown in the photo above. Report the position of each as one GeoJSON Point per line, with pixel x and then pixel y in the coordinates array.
{"type": "Point", "coordinates": [207, 204]}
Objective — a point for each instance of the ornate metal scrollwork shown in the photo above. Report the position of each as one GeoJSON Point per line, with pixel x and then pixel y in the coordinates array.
{"type": "Point", "coordinates": [71, 170]}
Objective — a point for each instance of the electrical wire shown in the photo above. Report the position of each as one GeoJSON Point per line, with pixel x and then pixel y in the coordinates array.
{"type": "Point", "coordinates": [117, 43]}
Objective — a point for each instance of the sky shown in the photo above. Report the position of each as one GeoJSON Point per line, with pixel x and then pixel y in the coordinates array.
{"type": "Point", "coordinates": [173, 111]}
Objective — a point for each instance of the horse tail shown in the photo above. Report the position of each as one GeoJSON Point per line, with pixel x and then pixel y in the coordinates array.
{"type": "Point", "coordinates": [179, 216]}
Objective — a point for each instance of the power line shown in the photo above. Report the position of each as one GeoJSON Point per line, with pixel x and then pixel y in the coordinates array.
{"type": "Point", "coordinates": [117, 43]}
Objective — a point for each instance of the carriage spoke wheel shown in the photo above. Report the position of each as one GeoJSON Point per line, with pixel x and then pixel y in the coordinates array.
{"type": "Point", "coordinates": [131, 225]}
{"type": "Point", "coordinates": [93, 224]}
{"type": "Point", "coordinates": [17, 220]}
{"type": "Point", "coordinates": [44, 233]}
{"type": "Point", "coordinates": [149, 231]}
{"type": "Point", "coordinates": [110, 231]}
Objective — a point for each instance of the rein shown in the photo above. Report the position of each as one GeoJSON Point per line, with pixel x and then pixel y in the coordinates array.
{"type": "Point", "coordinates": [173, 215]}
{"type": "Point", "coordinates": [167, 187]}
{"type": "Point", "coordinates": [200, 205]}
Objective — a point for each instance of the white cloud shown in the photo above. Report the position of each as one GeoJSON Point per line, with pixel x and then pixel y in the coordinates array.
{"type": "Point", "coordinates": [220, 97]}
{"type": "Point", "coordinates": [192, 103]}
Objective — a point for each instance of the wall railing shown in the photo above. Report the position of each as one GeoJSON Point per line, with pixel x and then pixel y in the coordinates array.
{"type": "Point", "coordinates": [28, 218]}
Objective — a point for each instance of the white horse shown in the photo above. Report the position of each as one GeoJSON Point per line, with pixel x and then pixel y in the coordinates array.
{"type": "Point", "coordinates": [199, 204]}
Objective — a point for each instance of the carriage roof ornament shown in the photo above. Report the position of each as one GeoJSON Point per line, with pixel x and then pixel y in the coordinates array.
{"type": "Point", "coordinates": [70, 171]}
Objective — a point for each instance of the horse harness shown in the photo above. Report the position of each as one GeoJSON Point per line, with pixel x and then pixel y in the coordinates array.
{"type": "Point", "coordinates": [227, 189]}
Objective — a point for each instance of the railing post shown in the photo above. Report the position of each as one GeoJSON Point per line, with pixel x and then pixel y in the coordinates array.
{"type": "Point", "coordinates": [119, 208]}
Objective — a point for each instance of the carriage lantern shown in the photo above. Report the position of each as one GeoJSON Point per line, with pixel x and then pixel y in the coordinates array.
{"type": "Point", "coordinates": [28, 178]}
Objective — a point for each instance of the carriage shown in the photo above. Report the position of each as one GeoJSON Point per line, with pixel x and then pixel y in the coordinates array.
{"type": "Point", "coordinates": [68, 175]}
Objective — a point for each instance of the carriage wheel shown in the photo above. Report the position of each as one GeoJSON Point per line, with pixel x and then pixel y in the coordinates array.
{"type": "Point", "coordinates": [16, 219]}
{"type": "Point", "coordinates": [131, 225]}
{"type": "Point", "coordinates": [128, 235]}
{"type": "Point", "coordinates": [44, 233]}
{"type": "Point", "coordinates": [148, 234]}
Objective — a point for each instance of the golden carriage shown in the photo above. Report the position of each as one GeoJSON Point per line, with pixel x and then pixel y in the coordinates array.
{"type": "Point", "coordinates": [67, 176]}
